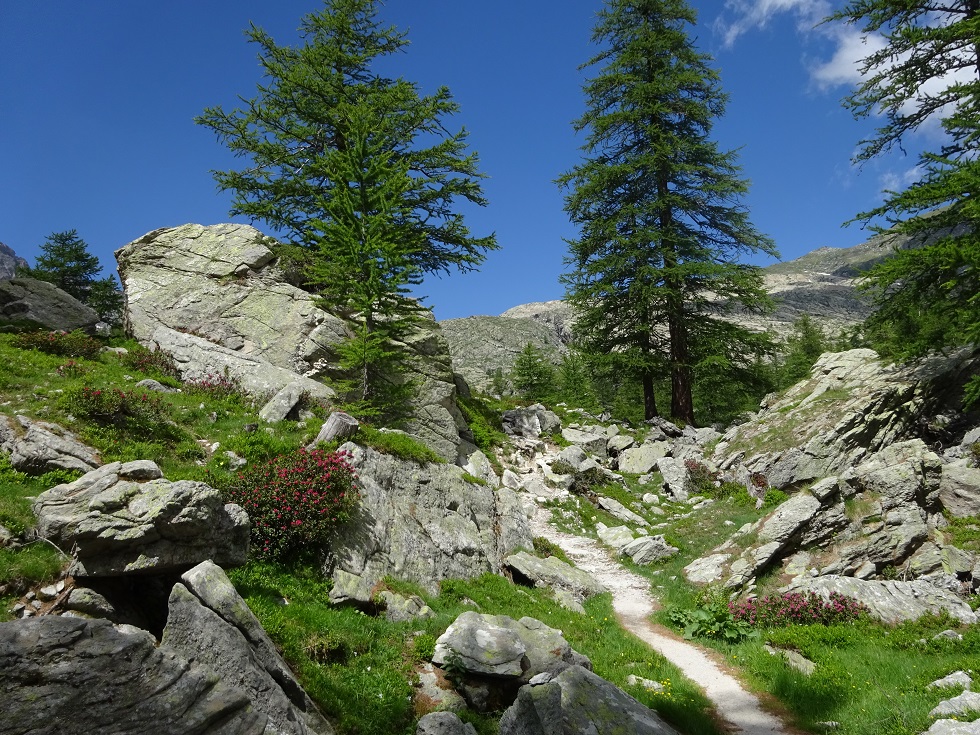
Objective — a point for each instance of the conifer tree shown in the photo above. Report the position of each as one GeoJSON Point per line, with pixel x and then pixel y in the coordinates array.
{"type": "Point", "coordinates": [658, 203]}
{"type": "Point", "coordinates": [926, 72]}
{"type": "Point", "coordinates": [356, 171]}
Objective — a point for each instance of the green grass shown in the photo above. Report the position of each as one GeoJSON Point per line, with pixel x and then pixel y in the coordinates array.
{"type": "Point", "coordinates": [398, 444]}
{"type": "Point", "coordinates": [358, 667]}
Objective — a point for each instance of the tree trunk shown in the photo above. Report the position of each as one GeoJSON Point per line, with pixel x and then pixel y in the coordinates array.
{"type": "Point", "coordinates": [649, 399]}
{"type": "Point", "coordinates": [681, 403]}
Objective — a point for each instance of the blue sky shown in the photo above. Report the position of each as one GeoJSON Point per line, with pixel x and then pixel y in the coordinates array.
{"type": "Point", "coordinates": [97, 102]}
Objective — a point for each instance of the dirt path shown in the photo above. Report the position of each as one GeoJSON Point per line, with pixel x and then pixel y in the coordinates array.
{"type": "Point", "coordinates": [634, 604]}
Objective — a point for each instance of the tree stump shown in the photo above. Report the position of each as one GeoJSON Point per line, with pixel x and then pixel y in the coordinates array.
{"type": "Point", "coordinates": [339, 425]}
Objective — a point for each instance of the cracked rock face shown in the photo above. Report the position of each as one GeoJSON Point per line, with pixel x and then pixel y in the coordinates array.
{"type": "Point", "coordinates": [422, 524]}
{"type": "Point", "coordinates": [36, 447]}
{"type": "Point", "coordinates": [221, 283]}
{"type": "Point", "coordinates": [128, 519]}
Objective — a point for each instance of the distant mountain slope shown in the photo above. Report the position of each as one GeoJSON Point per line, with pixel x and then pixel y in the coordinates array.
{"type": "Point", "coordinates": [821, 284]}
{"type": "Point", "coordinates": [9, 262]}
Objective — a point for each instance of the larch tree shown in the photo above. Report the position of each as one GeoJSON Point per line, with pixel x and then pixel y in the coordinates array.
{"type": "Point", "coordinates": [355, 170]}
{"type": "Point", "coordinates": [925, 75]}
{"type": "Point", "coordinates": [662, 225]}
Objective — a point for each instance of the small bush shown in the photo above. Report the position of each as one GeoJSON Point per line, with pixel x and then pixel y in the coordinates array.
{"type": "Point", "coordinates": [71, 369]}
{"type": "Point", "coordinates": [157, 363]}
{"type": "Point", "coordinates": [712, 619]}
{"type": "Point", "coordinates": [139, 414]}
{"type": "Point", "coordinates": [545, 548]}
{"type": "Point", "coordinates": [218, 388]}
{"type": "Point", "coordinates": [65, 344]}
{"type": "Point", "coordinates": [295, 501]}
{"type": "Point", "coordinates": [701, 477]}
{"type": "Point", "coordinates": [797, 608]}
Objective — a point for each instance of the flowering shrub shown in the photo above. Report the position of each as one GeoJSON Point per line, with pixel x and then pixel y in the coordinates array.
{"type": "Point", "coordinates": [797, 608]}
{"type": "Point", "coordinates": [217, 387]}
{"type": "Point", "coordinates": [66, 344]}
{"type": "Point", "coordinates": [296, 500]}
{"type": "Point", "coordinates": [71, 369]}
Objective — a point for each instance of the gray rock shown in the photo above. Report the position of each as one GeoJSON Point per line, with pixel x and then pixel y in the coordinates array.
{"type": "Point", "coordinates": [421, 524]}
{"type": "Point", "coordinates": [675, 477]}
{"type": "Point", "coordinates": [9, 262]}
{"type": "Point", "coordinates": [954, 727]}
{"type": "Point", "coordinates": [638, 681]}
{"type": "Point", "coordinates": [959, 679]}
{"type": "Point", "coordinates": [552, 572]}
{"type": "Point", "coordinates": [649, 549]}
{"type": "Point", "coordinates": [618, 443]}
{"type": "Point", "coordinates": [27, 304]}
{"type": "Point", "coordinates": [794, 659]}
{"type": "Point", "coordinates": [617, 536]}
{"type": "Point", "coordinates": [112, 681]}
{"type": "Point", "coordinates": [400, 609]}
{"type": "Point", "coordinates": [890, 602]}
{"type": "Point", "coordinates": [620, 511]}
{"type": "Point", "coordinates": [962, 704]}
{"type": "Point", "coordinates": [573, 455]}
{"type": "Point", "coordinates": [117, 526]}
{"type": "Point", "coordinates": [434, 691]}
{"type": "Point", "coordinates": [499, 646]}
{"type": "Point", "coordinates": [443, 723]}
{"type": "Point", "coordinates": [642, 459]}
{"type": "Point", "coordinates": [577, 701]}
{"type": "Point", "coordinates": [478, 465]}
{"type": "Point", "coordinates": [212, 626]}
{"type": "Point", "coordinates": [154, 385]}
{"type": "Point", "coordinates": [959, 490]}
{"type": "Point", "coordinates": [36, 447]}
{"type": "Point", "coordinates": [283, 402]}
{"type": "Point", "coordinates": [90, 602]}
{"type": "Point", "coordinates": [197, 359]}
{"type": "Point", "coordinates": [531, 422]}
{"type": "Point", "coordinates": [221, 283]}
{"type": "Point", "coordinates": [707, 569]}
{"type": "Point", "coordinates": [592, 443]}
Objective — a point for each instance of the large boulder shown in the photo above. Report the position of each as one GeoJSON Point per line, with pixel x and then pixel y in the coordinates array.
{"type": "Point", "coordinates": [28, 304]}
{"type": "Point", "coordinates": [36, 447]}
{"type": "Point", "coordinates": [61, 674]}
{"type": "Point", "coordinates": [552, 572]}
{"type": "Point", "coordinates": [210, 624]}
{"type": "Point", "coordinates": [222, 283]}
{"type": "Point", "coordinates": [128, 519]}
{"type": "Point", "coordinates": [499, 646]}
{"type": "Point", "coordinates": [959, 490]}
{"type": "Point", "coordinates": [578, 701]}
{"type": "Point", "coordinates": [421, 523]}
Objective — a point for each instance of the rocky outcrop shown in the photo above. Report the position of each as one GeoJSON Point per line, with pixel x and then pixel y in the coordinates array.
{"type": "Point", "coordinates": [890, 601]}
{"type": "Point", "coordinates": [421, 523]}
{"type": "Point", "coordinates": [209, 623]}
{"type": "Point", "coordinates": [530, 421]}
{"type": "Point", "coordinates": [221, 283]}
{"type": "Point", "coordinates": [9, 262]}
{"type": "Point", "coordinates": [113, 680]}
{"type": "Point", "coordinates": [553, 573]}
{"type": "Point", "coordinates": [36, 447]}
{"type": "Point", "coordinates": [852, 406]}
{"type": "Point", "coordinates": [578, 701]}
{"type": "Point", "coordinates": [128, 519]}
{"type": "Point", "coordinates": [215, 298]}
{"type": "Point", "coordinates": [28, 304]}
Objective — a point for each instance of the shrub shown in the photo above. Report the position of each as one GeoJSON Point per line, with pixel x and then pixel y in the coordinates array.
{"type": "Point", "coordinates": [65, 344]}
{"type": "Point", "coordinates": [71, 369]}
{"type": "Point", "coordinates": [158, 363]}
{"type": "Point", "coordinates": [545, 548]}
{"type": "Point", "coordinates": [139, 414]}
{"type": "Point", "coordinates": [797, 608]}
{"type": "Point", "coordinates": [701, 477]}
{"type": "Point", "coordinates": [218, 388]}
{"type": "Point", "coordinates": [295, 501]}
{"type": "Point", "coordinates": [712, 619]}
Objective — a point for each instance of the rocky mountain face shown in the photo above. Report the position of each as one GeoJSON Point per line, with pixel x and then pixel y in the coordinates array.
{"type": "Point", "coordinates": [821, 284]}
{"type": "Point", "coordinates": [9, 262]}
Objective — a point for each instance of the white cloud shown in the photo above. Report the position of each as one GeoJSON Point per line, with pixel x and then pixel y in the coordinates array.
{"type": "Point", "coordinates": [844, 67]}
{"type": "Point", "coordinates": [753, 14]}
{"type": "Point", "coordinates": [899, 180]}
